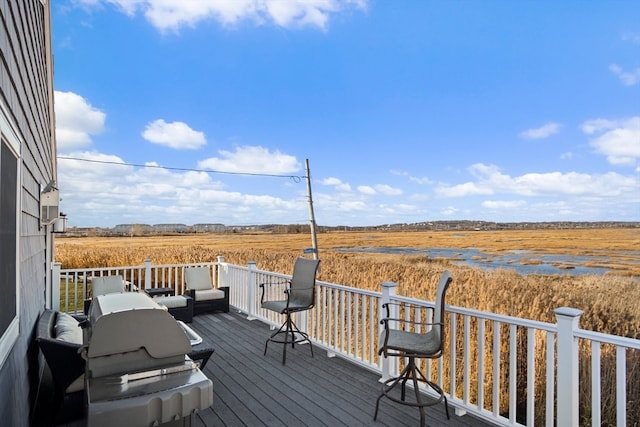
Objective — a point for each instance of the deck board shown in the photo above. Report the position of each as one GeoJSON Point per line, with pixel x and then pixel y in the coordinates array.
{"type": "Point", "coordinates": [253, 389]}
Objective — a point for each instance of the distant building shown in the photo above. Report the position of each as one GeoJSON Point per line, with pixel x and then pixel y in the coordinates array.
{"type": "Point", "coordinates": [171, 228]}
{"type": "Point", "coordinates": [209, 228]}
{"type": "Point", "coordinates": [132, 229]}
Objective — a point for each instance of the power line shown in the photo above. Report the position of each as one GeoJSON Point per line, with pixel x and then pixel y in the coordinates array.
{"type": "Point", "coordinates": [296, 178]}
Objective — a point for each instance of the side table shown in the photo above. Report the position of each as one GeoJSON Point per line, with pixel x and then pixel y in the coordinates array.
{"type": "Point", "coordinates": [159, 292]}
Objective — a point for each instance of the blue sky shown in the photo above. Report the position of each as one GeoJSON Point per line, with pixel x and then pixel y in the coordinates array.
{"type": "Point", "coordinates": [407, 111]}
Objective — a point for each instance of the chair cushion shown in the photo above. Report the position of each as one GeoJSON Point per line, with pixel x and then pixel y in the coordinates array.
{"type": "Point", "coordinates": [173, 301]}
{"type": "Point", "coordinates": [198, 278]}
{"type": "Point", "coordinates": [209, 294]}
{"type": "Point", "coordinates": [107, 285]}
{"type": "Point", "coordinates": [68, 329]}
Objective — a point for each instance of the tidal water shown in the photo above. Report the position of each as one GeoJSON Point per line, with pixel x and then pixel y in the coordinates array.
{"type": "Point", "coordinates": [524, 262]}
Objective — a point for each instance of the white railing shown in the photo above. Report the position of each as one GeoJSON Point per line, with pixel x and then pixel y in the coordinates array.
{"type": "Point", "coordinates": [506, 370]}
{"type": "Point", "coordinates": [75, 283]}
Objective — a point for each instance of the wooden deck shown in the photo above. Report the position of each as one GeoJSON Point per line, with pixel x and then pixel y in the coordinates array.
{"type": "Point", "coordinates": [251, 389]}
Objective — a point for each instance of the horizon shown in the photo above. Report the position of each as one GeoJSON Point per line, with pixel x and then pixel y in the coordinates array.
{"type": "Point", "coordinates": [533, 223]}
{"type": "Point", "coordinates": [452, 111]}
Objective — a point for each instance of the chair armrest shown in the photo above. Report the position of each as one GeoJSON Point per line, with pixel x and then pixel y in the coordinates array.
{"type": "Point", "coordinates": [385, 321]}
{"type": "Point", "coordinates": [405, 305]}
{"type": "Point", "coordinates": [226, 291]}
{"type": "Point", "coordinates": [263, 286]}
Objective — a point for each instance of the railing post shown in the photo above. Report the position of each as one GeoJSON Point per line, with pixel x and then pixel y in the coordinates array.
{"type": "Point", "coordinates": [568, 320]}
{"type": "Point", "coordinates": [147, 274]}
{"type": "Point", "coordinates": [219, 272]}
{"type": "Point", "coordinates": [251, 291]}
{"type": "Point", "coordinates": [55, 286]}
{"type": "Point", "coordinates": [389, 366]}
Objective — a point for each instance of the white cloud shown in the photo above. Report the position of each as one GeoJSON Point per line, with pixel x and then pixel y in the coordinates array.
{"type": "Point", "coordinates": [449, 211]}
{"type": "Point", "coordinates": [596, 125]}
{"type": "Point", "coordinates": [632, 37]}
{"type": "Point", "coordinates": [387, 190]}
{"type": "Point", "coordinates": [76, 121]}
{"type": "Point", "coordinates": [490, 180]}
{"type": "Point", "coordinates": [336, 183]}
{"type": "Point", "coordinates": [96, 193]}
{"type": "Point", "coordinates": [331, 181]}
{"type": "Point", "coordinates": [171, 15]}
{"type": "Point", "coordinates": [176, 135]}
{"type": "Point", "coordinates": [342, 203]}
{"type": "Point", "coordinates": [463, 190]}
{"type": "Point", "coordinates": [422, 181]}
{"type": "Point", "coordinates": [503, 204]}
{"type": "Point", "coordinates": [618, 140]}
{"type": "Point", "coordinates": [417, 180]}
{"type": "Point", "coordinates": [567, 155]}
{"type": "Point", "coordinates": [252, 159]}
{"type": "Point", "coordinates": [366, 189]}
{"type": "Point", "coordinates": [628, 78]}
{"type": "Point", "coordinates": [543, 131]}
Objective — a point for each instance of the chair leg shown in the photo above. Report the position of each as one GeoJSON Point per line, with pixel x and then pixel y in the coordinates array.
{"type": "Point", "coordinates": [288, 328]}
{"type": "Point", "coordinates": [286, 337]}
{"type": "Point", "coordinates": [271, 338]}
{"type": "Point", "coordinates": [411, 372]}
{"type": "Point", "coordinates": [416, 390]}
{"type": "Point", "coordinates": [438, 390]}
{"type": "Point", "coordinates": [305, 337]}
{"type": "Point", "coordinates": [390, 384]}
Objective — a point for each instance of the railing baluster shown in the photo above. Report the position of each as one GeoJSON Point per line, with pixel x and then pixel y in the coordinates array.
{"type": "Point", "coordinates": [373, 320]}
{"type": "Point", "coordinates": [333, 328]}
{"type": "Point", "coordinates": [496, 368]}
{"type": "Point", "coordinates": [480, 368]}
{"type": "Point", "coordinates": [452, 356]}
{"type": "Point", "coordinates": [621, 386]}
{"type": "Point", "coordinates": [349, 325]}
{"type": "Point", "coordinates": [550, 370]}
{"type": "Point", "coordinates": [466, 359]}
{"type": "Point", "coordinates": [531, 376]}
{"type": "Point", "coordinates": [513, 371]}
{"type": "Point", "coordinates": [355, 302]}
{"type": "Point", "coordinates": [595, 384]}
{"type": "Point", "coordinates": [361, 327]}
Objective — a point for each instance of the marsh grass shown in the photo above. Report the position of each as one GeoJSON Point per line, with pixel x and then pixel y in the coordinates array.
{"type": "Point", "coordinates": [609, 301]}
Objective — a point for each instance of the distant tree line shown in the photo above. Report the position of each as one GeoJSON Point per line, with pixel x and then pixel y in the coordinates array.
{"type": "Point", "coordinates": [462, 225]}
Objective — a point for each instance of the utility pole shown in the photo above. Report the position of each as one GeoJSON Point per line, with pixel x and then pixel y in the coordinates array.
{"type": "Point", "coordinates": [312, 219]}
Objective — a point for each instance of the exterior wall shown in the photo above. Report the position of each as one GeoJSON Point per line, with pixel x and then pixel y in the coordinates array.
{"type": "Point", "coordinates": [26, 99]}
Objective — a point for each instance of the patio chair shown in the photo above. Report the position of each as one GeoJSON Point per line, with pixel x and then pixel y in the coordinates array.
{"type": "Point", "coordinates": [205, 297]}
{"type": "Point", "coordinates": [300, 296]}
{"type": "Point", "coordinates": [409, 345]}
{"type": "Point", "coordinates": [59, 337]}
{"type": "Point", "coordinates": [101, 285]}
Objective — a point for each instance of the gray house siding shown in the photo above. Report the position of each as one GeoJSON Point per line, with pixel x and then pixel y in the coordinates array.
{"type": "Point", "coordinates": [26, 95]}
